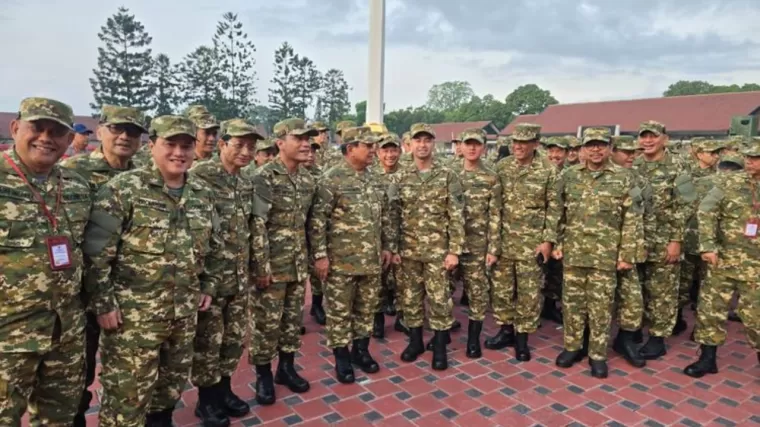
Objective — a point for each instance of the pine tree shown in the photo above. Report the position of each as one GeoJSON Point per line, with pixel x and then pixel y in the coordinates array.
{"type": "Point", "coordinates": [333, 99]}
{"type": "Point", "coordinates": [201, 80]}
{"type": "Point", "coordinates": [166, 94]}
{"type": "Point", "coordinates": [237, 62]}
{"type": "Point", "coordinates": [296, 83]}
{"type": "Point", "coordinates": [308, 82]}
{"type": "Point", "coordinates": [124, 64]}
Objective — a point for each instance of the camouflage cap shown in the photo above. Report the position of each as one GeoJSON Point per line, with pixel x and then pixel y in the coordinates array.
{"type": "Point", "coordinates": [344, 125]}
{"type": "Point", "coordinates": [390, 139]}
{"type": "Point", "coordinates": [572, 141]}
{"type": "Point", "coordinates": [320, 126]}
{"type": "Point", "coordinates": [358, 134]}
{"type": "Point", "coordinates": [169, 126]}
{"type": "Point", "coordinates": [503, 140]}
{"type": "Point", "coordinates": [735, 142]}
{"type": "Point", "coordinates": [419, 128]}
{"type": "Point", "coordinates": [708, 145]}
{"type": "Point", "coordinates": [474, 134]}
{"type": "Point", "coordinates": [596, 134]}
{"type": "Point", "coordinates": [406, 136]}
{"type": "Point", "coordinates": [656, 128]}
{"type": "Point", "coordinates": [205, 121]}
{"type": "Point", "coordinates": [751, 148]}
{"type": "Point", "coordinates": [32, 109]}
{"type": "Point", "coordinates": [732, 158]}
{"type": "Point", "coordinates": [238, 127]}
{"type": "Point", "coordinates": [265, 144]}
{"type": "Point", "coordinates": [293, 126]}
{"type": "Point", "coordinates": [115, 115]}
{"type": "Point", "coordinates": [556, 141]}
{"type": "Point", "coordinates": [195, 110]}
{"type": "Point", "coordinates": [625, 143]}
{"type": "Point", "coordinates": [526, 132]}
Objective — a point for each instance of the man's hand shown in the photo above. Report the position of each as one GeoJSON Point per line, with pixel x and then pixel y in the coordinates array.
{"type": "Point", "coordinates": [204, 302]}
{"type": "Point", "coordinates": [710, 258]}
{"type": "Point", "coordinates": [322, 267]}
{"type": "Point", "coordinates": [110, 321]}
{"type": "Point", "coordinates": [385, 258]}
{"type": "Point", "coordinates": [450, 262]}
{"type": "Point", "coordinates": [557, 254]}
{"type": "Point", "coordinates": [396, 260]}
{"type": "Point", "coordinates": [263, 281]}
{"type": "Point", "coordinates": [490, 260]}
{"type": "Point", "coordinates": [624, 266]}
{"type": "Point", "coordinates": [673, 254]}
{"type": "Point", "coordinates": [544, 249]}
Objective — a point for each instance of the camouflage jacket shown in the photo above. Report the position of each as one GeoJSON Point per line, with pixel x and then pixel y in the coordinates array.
{"type": "Point", "coordinates": [94, 168]}
{"type": "Point", "coordinates": [643, 194]}
{"type": "Point", "coordinates": [315, 171]}
{"type": "Point", "coordinates": [143, 156]}
{"type": "Point", "coordinates": [600, 223]}
{"type": "Point", "coordinates": [327, 156]}
{"type": "Point", "coordinates": [233, 199]}
{"type": "Point", "coordinates": [281, 207]}
{"type": "Point", "coordinates": [482, 210]}
{"type": "Point", "coordinates": [672, 195]}
{"type": "Point", "coordinates": [702, 186]}
{"type": "Point", "coordinates": [698, 172]}
{"type": "Point", "coordinates": [32, 296]}
{"type": "Point", "coordinates": [350, 222]}
{"type": "Point", "coordinates": [429, 210]}
{"type": "Point", "coordinates": [152, 255]}
{"type": "Point", "coordinates": [723, 216]}
{"type": "Point", "coordinates": [529, 208]}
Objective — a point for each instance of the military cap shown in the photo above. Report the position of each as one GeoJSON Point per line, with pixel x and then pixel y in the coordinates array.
{"type": "Point", "coordinates": [419, 128]}
{"type": "Point", "coordinates": [625, 143]}
{"type": "Point", "coordinates": [503, 140]}
{"type": "Point", "coordinates": [556, 141]}
{"type": "Point", "coordinates": [390, 138]}
{"type": "Point", "coordinates": [343, 125]}
{"type": "Point", "coordinates": [196, 110]}
{"type": "Point", "coordinates": [596, 134]}
{"type": "Point", "coordinates": [708, 145]}
{"type": "Point", "coordinates": [319, 126]}
{"type": "Point", "coordinates": [572, 141]}
{"type": "Point", "coordinates": [526, 132]}
{"type": "Point", "coordinates": [406, 136]}
{"type": "Point", "coordinates": [293, 126]}
{"type": "Point", "coordinates": [33, 109]}
{"type": "Point", "coordinates": [737, 141]}
{"type": "Point", "coordinates": [475, 134]}
{"type": "Point", "coordinates": [115, 115]}
{"type": "Point", "coordinates": [751, 148]}
{"type": "Point", "coordinates": [238, 127]}
{"type": "Point", "coordinates": [169, 126]}
{"type": "Point", "coordinates": [265, 144]}
{"type": "Point", "coordinates": [656, 128]}
{"type": "Point", "coordinates": [732, 158]}
{"type": "Point", "coordinates": [358, 134]}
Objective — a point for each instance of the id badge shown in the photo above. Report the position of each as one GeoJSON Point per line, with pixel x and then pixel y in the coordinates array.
{"type": "Point", "coordinates": [59, 252]}
{"type": "Point", "coordinates": [750, 230]}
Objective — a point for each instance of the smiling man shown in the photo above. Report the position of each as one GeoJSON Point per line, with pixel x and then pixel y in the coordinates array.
{"type": "Point", "coordinates": [207, 131]}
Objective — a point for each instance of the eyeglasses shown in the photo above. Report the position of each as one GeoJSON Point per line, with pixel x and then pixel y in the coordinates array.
{"type": "Point", "coordinates": [54, 129]}
{"type": "Point", "coordinates": [132, 131]}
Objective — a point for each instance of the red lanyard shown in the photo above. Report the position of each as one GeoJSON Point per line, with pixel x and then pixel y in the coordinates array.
{"type": "Point", "coordinates": [50, 216]}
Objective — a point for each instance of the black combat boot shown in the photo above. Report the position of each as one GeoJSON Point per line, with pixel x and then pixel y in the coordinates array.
{"type": "Point", "coordinates": [457, 325]}
{"type": "Point", "coordinates": [390, 305]}
{"type": "Point", "coordinates": [286, 374]}
{"type": "Point", "coordinates": [378, 326]}
{"type": "Point", "coordinates": [598, 368]}
{"type": "Point", "coordinates": [654, 348]}
{"type": "Point", "coordinates": [317, 310]}
{"type": "Point", "coordinates": [431, 343]}
{"type": "Point", "coordinates": [160, 419]}
{"type": "Point", "coordinates": [707, 363]}
{"type": "Point", "coordinates": [415, 347]}
{"type": "Point", "coordinates": [550, 311]}
{"type": "Point", "coordinates": [440, 362]}
{"type": "Point", "coordinates": [264, 385]}
{"type": "Point", "coordinates": [638, 336]}
{"type": "Point", "coordinates": [503, 339]}
{"type": "Point", "coordinates": [681, 324]}
{"type": "Point", "coordinates": [567, 358]}
{"type": "Point", "coordinates": [208, 408]}
{"type": "Point", "coordinates": [625, 347]}
{"type": "Point", "coordinates": [361, 357]}
{"type": "Point", "coordinates": [473, 339]}
{"type": "Point", "coordinates": [343, 369]}
{"type": "Point", "coordinates": [231, 404]}
{"type": "Point", "coordinates": [399, 324]}
{"type": "Point", "coordinates": [522, 351]}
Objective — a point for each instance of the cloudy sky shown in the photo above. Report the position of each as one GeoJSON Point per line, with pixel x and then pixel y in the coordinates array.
{"type": "Point", "coordinates": [581, 50]}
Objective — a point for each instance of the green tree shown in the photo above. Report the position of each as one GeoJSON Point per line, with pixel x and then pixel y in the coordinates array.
{"type": "Point", "coordinates": [332, 103]}
{"type": "Point", "coordinates": [399, 121]}
{"type": "Point", "coordinates": [165, 85]}
{"type": "Point", "coordinates": [263, 116]}
{"type": "Point", "coordinates": [124, 64]}
{"type": "Point", "coordinates": [238, 76]}
{"type": "Point", "coordinates": [449, 96]}
{"type": "Point", "coordinates": [308, 83]}
{"type": "Point", "coordinates": [528, 99]}
{"type": "Point", "coordinates": [698, 87]}
{"type": "Point", "coordinates": [201, 80]}
{"type": "Point", "coordinates": [481, 109]}
{"type": "Point", "coordinates": [282, 96]}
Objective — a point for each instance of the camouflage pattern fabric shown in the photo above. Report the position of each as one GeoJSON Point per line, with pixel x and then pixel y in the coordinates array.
{"type": "Point", "coordinates": [42, 326]}
{"type": "Point", "coordinates": [94, 168]}
{"type": "Point", "coordinates": [526, 132]}
{"type": "Point", "coordinates": [327, 156]}
{"type": "Point", "coordinates": [588, 295]}
{"type": "Point", "coordinates": [417, 279]}
{"type": "Point", "coordinates": [219, 340]}
{"type": "Point", "coordinates": [382, 182]}
{"type": "Point", "coordinates": [282, 203]}
{"type": "Point", "coordinates": [351, 304]}
{"type": "Point", "coordinates": [143, 156]}
{"type": "Point", "coordinates": [32, 109]}
{"type": "Point", "coordinates": [524, 278]}
{"type": "Point", "coordinates": [629, 300]}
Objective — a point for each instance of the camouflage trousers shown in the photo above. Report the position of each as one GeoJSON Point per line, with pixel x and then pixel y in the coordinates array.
{"type": "Point", "coordinates": [715, 302]}
{"type": "Point", "coordinates": [219, 339]}
{"type": "Point", "coordinates": [351, 304]}
{"type": "Point", "coordinates": [476, 283]}
{"type": "Point", "coordinates": [692, 275]}
{"type": "Point", "coordinates": [553, 281]}
{"type": "Point", "coordinates": [387, 287]}
{"type": "Point", "coordinates": [146, 366]}
{"type": "Point", "coordinates": [630, 301]}
{"type": "Point", "coordinates": [317, 288]}
{"type": "Point", "coordinates": [523, 279]}
{"type": "Point", "coordinates": [588, 297]}
{"type": "Point", "coordinates": [48, 384]}
{"type": "Point", "coordinates": [661, 297]}
{"type": "Point", "coordinates": [277, 318]}
{"type": "Point", "coordinates": [417, 279]}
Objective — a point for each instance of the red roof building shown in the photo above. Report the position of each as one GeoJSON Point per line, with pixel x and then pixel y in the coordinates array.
{"type": "Point", "coordinates": [683, 116]}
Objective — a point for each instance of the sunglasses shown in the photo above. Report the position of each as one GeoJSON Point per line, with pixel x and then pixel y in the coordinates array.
{"type": "Point", "coordinates": [132, 131]}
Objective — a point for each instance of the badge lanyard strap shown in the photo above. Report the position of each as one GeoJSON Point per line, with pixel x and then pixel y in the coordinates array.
{"type": "Point", "coordinates": [50, 216]}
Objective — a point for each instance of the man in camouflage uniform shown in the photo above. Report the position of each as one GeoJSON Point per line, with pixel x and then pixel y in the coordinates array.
{"type": "Point", "coordinates": [556, 153]}
{"type": "Point", "coordinates": [325, 156]}
{"type": "Point", "coordinates": [221, 329]}
{"type": "Point", "coordinates": [153, 246]}
{"type": "Point", "coordinates": [728, 220]}
{"type": "Point", "coordinates": [345, 124]}
{"type": "Point", "coordinates": [573, 150]}
{"type": "Point", "coordinates": [41, 315]}
{"type": "Point", "coordinates": [119, 134]}
{"type": "Point", "coordinates": [207, 130]}
{"type": "Point", "coordinates": [406, 148]}
{"type": "Point", "coordinates": [352, 239]}
{"type": "Point", "coordinates": [266, 151]}
{"type": "Point", "coordinates": [428, 201]}
{"type": "Point", "coordinates": [283, 193]}
{"type": "Point", "coordinates": [672, 193]}
{"type": "Point", "coordinates": [317, 287]}
{"type": "Point", "coordinates": [529, 229]}
{"type": "Point", "coordinates": [482, 228]}
{"type": "Point", "coordinates": [601, 232]}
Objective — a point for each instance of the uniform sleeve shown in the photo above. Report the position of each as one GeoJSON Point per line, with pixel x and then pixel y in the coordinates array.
{"type": "Point", "coordinates": [560, 201]}
{"type": "Point", "coordinates": [632, 230]}
{"type": "Point", "coordinates": [262, 204]}
{"type": "Point", "coordinates": [455, 215]}
{"type": "Point", "coordinates": [321, 211]}
{"type": "Point", "coordinates": [110, 215]}
{"type": "Point", "coordinates": [684, 194]}
{"type": "Point", "coordinates": [708, 215]}
{"type": "Point", "coordinates": [213, 265]}
{"type": "Point", "coordinates": [394, 211]}
{"type": "Point", "coordinates": [389, 228]}
{"type": "Point", "coordinates": [494, 219]}
{"type": "Point", "coordinates": [649, 219]}
{"type": "Point", "coordinates": [553, 209]}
